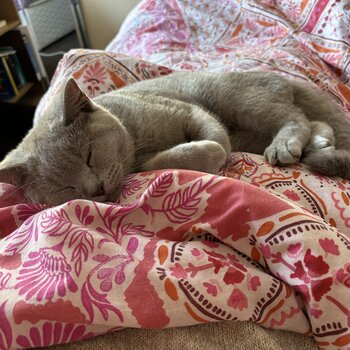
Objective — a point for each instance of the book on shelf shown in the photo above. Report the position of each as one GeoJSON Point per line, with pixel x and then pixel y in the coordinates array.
{"type": "Point", "coordinates": [11, 72]}
{"type": "Point", "coordinates": [7, 90]}
{"type": "Point", "coordinates": [19, 39]}
{"type": "Point", "coordinates": [13, 65]}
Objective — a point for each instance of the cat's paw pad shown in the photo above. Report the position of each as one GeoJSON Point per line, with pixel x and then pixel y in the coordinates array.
{"type": "Point", "coordinates": [283, 152]}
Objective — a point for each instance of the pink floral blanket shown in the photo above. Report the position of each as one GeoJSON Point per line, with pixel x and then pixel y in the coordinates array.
{"type": "Point", "coordinates": [255, 242]}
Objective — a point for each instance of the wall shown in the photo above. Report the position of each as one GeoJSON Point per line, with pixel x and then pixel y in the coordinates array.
{"type": "Point", "coordinates": [103, 19]}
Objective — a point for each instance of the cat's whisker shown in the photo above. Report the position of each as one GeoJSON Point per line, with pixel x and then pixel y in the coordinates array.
{"type": "Point", "coordinates": [18, 188]}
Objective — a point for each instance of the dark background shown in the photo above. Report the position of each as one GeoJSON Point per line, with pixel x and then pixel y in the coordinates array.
{"type": "Point", "coordinates": [16, 119]}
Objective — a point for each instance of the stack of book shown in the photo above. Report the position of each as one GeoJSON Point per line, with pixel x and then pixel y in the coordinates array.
{"type": "Point", "coordinates": [12, 77]}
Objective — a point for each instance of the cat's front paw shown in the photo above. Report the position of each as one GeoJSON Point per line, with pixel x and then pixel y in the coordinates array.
{"type": "Point", "coordinates": [283, 152]}
{"type": "Point", "coordinates": [213, 157]}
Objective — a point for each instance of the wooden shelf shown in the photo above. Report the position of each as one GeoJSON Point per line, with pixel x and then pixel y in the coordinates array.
{"type": "Point", "coordinates": [33, 97]}
{"type": "Point", "coordinates": [10, 25]}
{"type": "Point", "coordinates": [30, 94]}
{"type": "Point", "coordinates": [24, 89]}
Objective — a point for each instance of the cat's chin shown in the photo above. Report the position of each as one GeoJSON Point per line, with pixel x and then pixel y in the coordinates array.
{"type": "Point", "coordinates": [100, 199]}
{"type": "Point", "coordinates": [114, 196]}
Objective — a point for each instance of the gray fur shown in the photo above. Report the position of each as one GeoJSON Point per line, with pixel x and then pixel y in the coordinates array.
{"type": "Point", "coordinates": [83, 148]}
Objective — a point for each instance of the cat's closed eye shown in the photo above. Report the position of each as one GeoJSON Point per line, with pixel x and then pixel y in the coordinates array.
{"type": "Point", "coordinates": [66, 188]}
{"type": "Point", "coordinates": [88, 160]}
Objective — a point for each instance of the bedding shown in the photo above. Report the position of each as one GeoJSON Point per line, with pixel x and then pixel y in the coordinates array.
{"type": "Point", "coordinates": [254, 243]}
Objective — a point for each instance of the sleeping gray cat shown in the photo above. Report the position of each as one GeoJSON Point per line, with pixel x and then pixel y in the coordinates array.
{"type": "Point", "coordinates": [83, 148]}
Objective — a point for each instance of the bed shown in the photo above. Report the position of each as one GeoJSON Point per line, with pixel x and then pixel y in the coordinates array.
{"type": "Point", "coordinates": [253, 246]}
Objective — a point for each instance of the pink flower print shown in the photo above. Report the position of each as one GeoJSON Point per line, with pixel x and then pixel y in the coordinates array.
{"type": "Point", "coordinates": [294, 11]}
{"type": "Point", "coordinates": [198, 254]}
{"type": "Point", "coordinates": [291, 195]}
{"type": "Point", "coordinates": [294, 250]}
{"type": "Point", "coordinates": [265, 250]}
{"type": "Point", "coordinates": [45, 274]}
{"type": "Point", "coordinates": [316, 313]}
{"type": "Point", "coordinates": [211, 289]}
{"type": "Point", "coordinates": [95, 74]}
{"type": "Point", "coordinates": [178, 271]}
{"type": "Point", "coordinates": [329, 246]}
{"type": "Point", "coordinates": [52, 333]}
{"type": "Point", "coordinates": [253, 282]}
{"type": "Point", "coordinates": [343, 275]}
{"type": "Point", "coordinates": [238, 300]}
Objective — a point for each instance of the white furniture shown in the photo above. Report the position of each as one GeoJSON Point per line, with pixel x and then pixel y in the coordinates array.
{"type": "Point", "coordinates": [48, 20]}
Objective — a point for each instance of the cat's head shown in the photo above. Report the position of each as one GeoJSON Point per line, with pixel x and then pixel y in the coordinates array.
{"type": "Point", "coordinates": [80, 152]}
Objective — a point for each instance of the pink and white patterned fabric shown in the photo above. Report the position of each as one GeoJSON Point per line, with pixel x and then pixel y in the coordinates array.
{"type": "Point", "coordinates": [254, 242]}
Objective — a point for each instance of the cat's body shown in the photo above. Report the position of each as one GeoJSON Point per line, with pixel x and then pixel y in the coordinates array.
{"type": "Point", "coordinates": [185, 120]}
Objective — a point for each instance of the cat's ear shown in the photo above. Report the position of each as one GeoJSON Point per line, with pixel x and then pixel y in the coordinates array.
{"type": "Point", "coordinates": [13, 174]}
{"type": "Point", "coordinates": [75, 102]}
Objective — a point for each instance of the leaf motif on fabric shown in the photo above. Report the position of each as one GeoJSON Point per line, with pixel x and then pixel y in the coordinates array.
{"type": "Point", "coordinates": [161, 184]}
{"type": "Point", "coordinates": [170, 289]}
{"type": "Point", "coordinates": [265, 228]}
{"type": "Point", "coordinates": [55, 222]}
{"type": "Point", "coordinates": [83, 215]}
{"type": "Point", "coordinates": [19, 239]}
{"type": "Point", "coordinates": [25, 211]}
{"type": "Point", "coordinates": [6, 336]}
{"type": "Point", "coordinates": [163, 253]}
{"type": "Point", "coordinates": [182, 205]}
{"type": "Point", "coordinates": [132, 245]}
{"type": "Point", "coordinates": [139, 230]}
{"type": "Point", "coordinates": [91, 298]}
{"type": "Point", "coordinates": [82, 243]}
{"type": "Point", "coordinates": [132, 185]}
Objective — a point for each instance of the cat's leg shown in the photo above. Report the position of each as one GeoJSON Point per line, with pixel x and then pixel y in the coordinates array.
{"type": "Point", "coordinates": [207, 148]}
{"type": "Point", "coordinates": [205, 155]}
{"type": "Point", "coordinates": [292, 136]}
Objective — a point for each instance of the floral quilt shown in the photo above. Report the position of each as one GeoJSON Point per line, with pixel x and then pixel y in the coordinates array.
{"type": "Point", "coordinates": [254, 242]}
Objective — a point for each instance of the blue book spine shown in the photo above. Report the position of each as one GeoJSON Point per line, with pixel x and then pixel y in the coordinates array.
{"type": "Point", "coordinates": [6, 89]}
{"type": "Point", "coordinates": [19, 70]}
